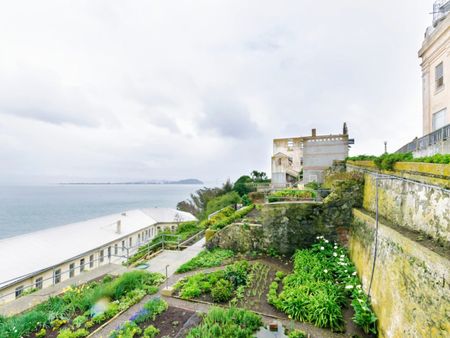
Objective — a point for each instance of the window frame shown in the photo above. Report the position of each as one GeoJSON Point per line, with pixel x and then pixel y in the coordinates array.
{"type": "Point", "coordinates": [439, 81]}
{"type": "Point", "coordinates": [71, 270]}
{"type": "Point", "coordinates": [39, 283]}
{"type": "Point", "coordinates": [57, 276]}
{"type": "Point", "coordinates": [82, 264]}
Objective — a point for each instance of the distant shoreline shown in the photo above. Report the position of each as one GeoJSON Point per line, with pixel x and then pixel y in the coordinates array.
{"type": "Point", "coordinates": [186, 181]}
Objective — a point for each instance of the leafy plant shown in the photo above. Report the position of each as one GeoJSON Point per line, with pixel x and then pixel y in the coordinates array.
{"type": "Point", "coordinates": [230, 323]}
{"type": "Point", "coordinates": [297, 334]}
{"type": "Point", "coordinates": [222, 291]}
{"type": "Point", "coordinates": [79, 321]}
{"type": "Point", "coordinates": [291, 195]}
{"type": "Point", "coordinates": [68, 333]}
{"type": "Point", "coordinates": [151, 332]}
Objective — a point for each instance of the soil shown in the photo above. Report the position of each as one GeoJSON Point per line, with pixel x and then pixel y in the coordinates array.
{"type": "Point", "coordinates": [173, 321]}
{"type": "Point", "coordinates": [255, 300]}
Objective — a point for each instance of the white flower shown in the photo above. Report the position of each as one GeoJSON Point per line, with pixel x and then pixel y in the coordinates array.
{"type": "Point", "coordinates": [317, 237]}
{"type": "Point", "coordinates": [354, 273]}
{"type": "Point", "coordinates": [342, 256]}
{"type": "Point", "coordinates": [345, 270]}
{"type": "Point", "coordinates": [322, 248]}
{"type": "Point", "coordinates": [358, 286]}
{"type": "Point", "coordinates": [334, 254]}
{"type": "Point", "coordinates": [326, 271]}
{"type": "Point", "coordinates": [326, 241]}
{"type": "Point", "coordinates": [349, 286]}
{"type": "Point", "coordinates": [335, 247]}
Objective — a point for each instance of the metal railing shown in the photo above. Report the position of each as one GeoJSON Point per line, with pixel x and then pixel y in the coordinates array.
{"type": "Point", "coordinates": [439, 135]}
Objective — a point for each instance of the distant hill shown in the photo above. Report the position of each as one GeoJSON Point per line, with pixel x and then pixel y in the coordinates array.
{"type": "Point", "coordinates": [184, 181]}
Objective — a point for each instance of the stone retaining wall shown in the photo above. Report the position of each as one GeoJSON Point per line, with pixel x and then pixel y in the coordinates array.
{"type": "Point", "coordinates": [411, 284]}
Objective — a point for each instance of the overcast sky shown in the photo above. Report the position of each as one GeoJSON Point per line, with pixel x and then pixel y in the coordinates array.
{"type": "Point", "coordinates": [122, 90]}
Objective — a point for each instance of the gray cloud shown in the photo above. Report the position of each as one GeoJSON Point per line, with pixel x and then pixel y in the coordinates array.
{"type": "Point", "coordinates": [227, 118]}
{"type": "Point", "coordinates": [120, 89]}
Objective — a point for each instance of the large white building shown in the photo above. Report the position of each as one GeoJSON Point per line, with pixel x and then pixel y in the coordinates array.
{"type": "Point", "coordinates": [307, 155]}
{"type": "Point", "coordinates": [435, 55]}
{"type": "Point", "coordinates": [47, 257]}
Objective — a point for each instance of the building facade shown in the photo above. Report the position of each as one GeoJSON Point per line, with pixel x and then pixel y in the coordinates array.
{"type": "Point", "coordinates": [307, 157]}
{"type": "Point", "coordinates": [44, 258]}
{"type": "Point", "coordinates": [435, 55]}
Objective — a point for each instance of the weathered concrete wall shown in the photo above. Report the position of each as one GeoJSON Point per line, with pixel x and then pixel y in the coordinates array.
{"type": "Point", "coordinates": [411, 205]}
{"type": "Point", "coordinates": [284, 227]}
{"type": "Point", "coordinates": [411, 284]}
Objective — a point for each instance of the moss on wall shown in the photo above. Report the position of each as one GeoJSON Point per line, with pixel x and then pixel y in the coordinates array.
{"type": "Point", "coordinates": [288, 227]}
{"type": "Point", "coordinates": [411, 285]}
{"type": "Point", "coordinates": [413, 206]}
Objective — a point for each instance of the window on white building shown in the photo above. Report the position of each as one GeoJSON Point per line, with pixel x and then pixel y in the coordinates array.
{"type": "Point", "coordinates": [116, 249]}
{"type": "Point", "coordinates": [101, 256]}
{"type": "Point", "coordinates": [57, 276]}
{"type": "Point", "coordinates": [71, 270]}
{"type": "Point", "coordinates": [19, 291]}
{"type": "Point", "coordinates": [91, 261]}
{"type": "Point", "coordinates": [439, 119]}
{"type": "Point", "coordinates": [38, 283]}
{"type": "Point", "coordinates": [439, 75]}
{"type": "Point", "coordinates": [82, 262]}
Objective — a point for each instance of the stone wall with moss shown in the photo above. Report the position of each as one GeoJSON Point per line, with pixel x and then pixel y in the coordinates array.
{"type": "Point", "coordinates": [412, 205]}
{"type": "Point", "coordinates": [411, 284]}
{"type": "Point", "coordinates": [282, 228]}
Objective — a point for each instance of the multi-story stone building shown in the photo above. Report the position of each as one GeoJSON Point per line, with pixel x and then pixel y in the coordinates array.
{"type": "Point", "coordinates": [306, 155]}
{"type": "Point", "coordinates": [435, 54]}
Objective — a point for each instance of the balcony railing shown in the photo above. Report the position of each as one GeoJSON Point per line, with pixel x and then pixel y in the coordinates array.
{"type": "Point", "coordinates": [439, 135]}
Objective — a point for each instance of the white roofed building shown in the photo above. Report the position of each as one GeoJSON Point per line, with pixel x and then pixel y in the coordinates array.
{"type": "Point", "coordinates": [49, 256]}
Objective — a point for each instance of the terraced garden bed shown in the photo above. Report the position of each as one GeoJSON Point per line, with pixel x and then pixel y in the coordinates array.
{"type": "Point", "coordinates": [157, 319]}
{"type": "Point", "coordinates": [321, 287]}
{"type": "Point", "coordinates": [80, 310]}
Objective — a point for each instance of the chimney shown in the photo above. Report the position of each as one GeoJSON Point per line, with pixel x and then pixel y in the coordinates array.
{"type": "Point", "coordinates": [313, 132]}
{"type": "Point", "coordinates": [118, 227]}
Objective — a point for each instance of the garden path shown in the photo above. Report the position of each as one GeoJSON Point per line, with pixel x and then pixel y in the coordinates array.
{"type": "Point", "coordinates": [28, 301]}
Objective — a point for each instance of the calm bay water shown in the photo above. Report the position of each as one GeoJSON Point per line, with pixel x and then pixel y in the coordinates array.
{"type": "Point", "coordinates": [29, 208]}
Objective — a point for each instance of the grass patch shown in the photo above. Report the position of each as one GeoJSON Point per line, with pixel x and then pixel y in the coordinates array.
{"type": "Point", "coordinates": [206, 259]}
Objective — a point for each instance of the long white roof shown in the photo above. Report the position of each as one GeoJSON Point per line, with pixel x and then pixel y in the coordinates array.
{"type": "Point", "coordinates": [36, 251]}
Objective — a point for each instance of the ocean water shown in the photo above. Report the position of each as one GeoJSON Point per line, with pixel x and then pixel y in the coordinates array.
{"type": "Point", "coordinates": [25, 209]}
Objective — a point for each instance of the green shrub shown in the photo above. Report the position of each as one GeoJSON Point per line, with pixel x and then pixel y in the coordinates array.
{"type": "Point", "coordinates": [206, 259]}
{"type": "Point", "coordinates": [79, 321]}
{"type": "Point", "coordinates": [41, 333]}
{"type": "Point", "coordinates": [237, 273]}
{"type": "Point", "coordinates": [297, 334]}
{"type": "Point", "coordinates": [67, 333]}
{"type": "Point", "coordinates": [222, 201]}
{"type": "Point", "coordinates": [128, 330]}
{"type": "Point", "coordinates": [230, 323]}
{"type": "Point", "coordinates": [151, 332]}
{"type": "Point", "coordinates": [364, 316]}
{"type": "Point", "coordinates": [291, 195]}
{"type": "Point", "coordinates": [387, 161]}
{"type": "Point", "coordinates": [226, 217]}
{"type": "Point", "coordinates": [222, 291]}
{"type": "Point", "coordinates": [312, 185]}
